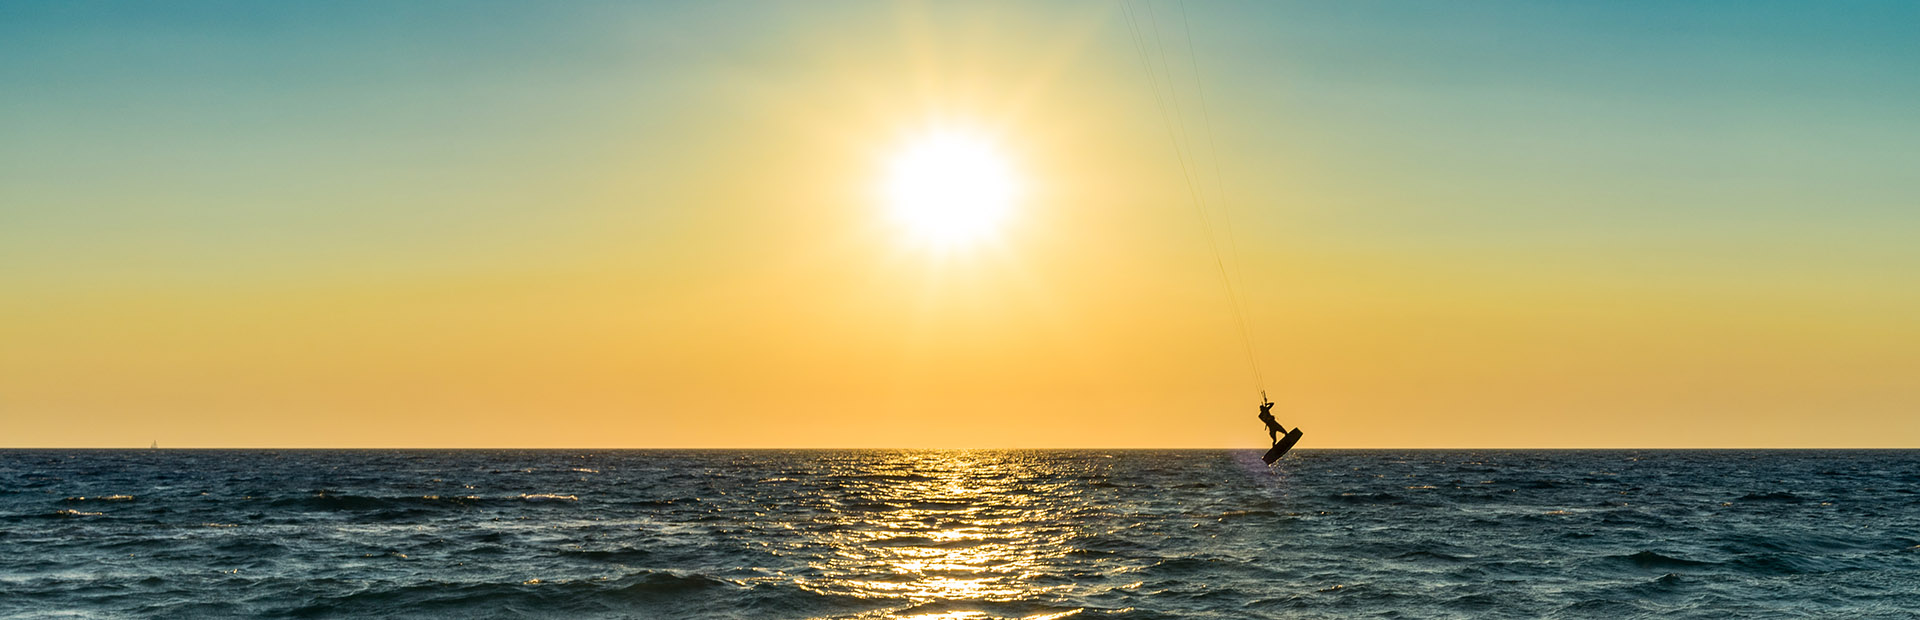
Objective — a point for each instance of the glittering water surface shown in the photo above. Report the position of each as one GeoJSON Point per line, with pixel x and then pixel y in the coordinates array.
{"type": "Point", "coordinates": [959, 534]}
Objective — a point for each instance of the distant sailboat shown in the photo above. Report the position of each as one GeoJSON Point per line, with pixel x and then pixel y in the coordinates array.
{"type": "Point", "coordinates": [155, 446]}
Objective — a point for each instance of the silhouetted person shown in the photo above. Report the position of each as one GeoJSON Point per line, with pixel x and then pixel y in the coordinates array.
{"type": "Point", "coordinates": [1274, 429]}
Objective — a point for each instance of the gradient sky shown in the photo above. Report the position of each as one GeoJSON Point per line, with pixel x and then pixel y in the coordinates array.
{"type": "Point", "coordinates": [468, 224]}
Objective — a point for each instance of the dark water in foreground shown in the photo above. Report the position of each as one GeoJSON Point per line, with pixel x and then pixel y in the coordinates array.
{"type": "Point", "coordinates": [957, 534]}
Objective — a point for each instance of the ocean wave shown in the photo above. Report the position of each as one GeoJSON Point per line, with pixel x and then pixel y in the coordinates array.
{"type": "Point", "coordinates": [548, 497]}
{"type": "Point", "coordinates": [1776, 496]}
{"type": "Point", "coordinates": [1600, 608]}
{"type": "Point", "coordinates": [1023, 610]}
{"type": "Point", "coordinates": [939, 505]}
{"type": "Point", "coordinates": [251, 547]}
{"type": "Point", "coordinates": [1652, 560]}
{"type": "Point", "coordinates": [324, 501]}
{"type": "Point", "coordinates": [1425, 555]}
{"type": "Point", "coordinates": [667, 583]}
{"type": "Point", "coordinates": [1202, 570]}
{"type": "Point", "coordinates": [932, 543]}
{"type": "Point", "coordinates": [1367, 498]}
{"type": "Point", "coordinates": [869, 477]}
{"type": "Point", "coordinates": [1772, 564]}
{"type": "Point", "coordinates": [616, 555]}
{"type": "Point", "coordinates": [1477, 601]}
{"type": "Point", "coordinates": [653, 593]}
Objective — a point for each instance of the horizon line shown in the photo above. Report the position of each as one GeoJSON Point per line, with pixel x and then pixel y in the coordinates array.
{"type": "Point", "coordinates": [1035, 449]}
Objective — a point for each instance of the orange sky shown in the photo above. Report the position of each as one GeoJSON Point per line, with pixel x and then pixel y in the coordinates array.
{"type": "Point", "coordinates": [660, 227]}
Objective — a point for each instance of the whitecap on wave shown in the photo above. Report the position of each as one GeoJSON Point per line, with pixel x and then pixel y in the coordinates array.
{"type": "Point", "coordinates": [549, 497]}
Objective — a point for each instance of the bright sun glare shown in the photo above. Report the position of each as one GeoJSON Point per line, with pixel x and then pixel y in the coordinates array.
{"type": "Point", "coordinates": [950, 188]}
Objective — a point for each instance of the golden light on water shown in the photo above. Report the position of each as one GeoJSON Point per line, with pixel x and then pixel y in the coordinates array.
{"type": "Point", "coordinates": [949, 188]}
{"type": "Point", "coordinates": [950, 531]}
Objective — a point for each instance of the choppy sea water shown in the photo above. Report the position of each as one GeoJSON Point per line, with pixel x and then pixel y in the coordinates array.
{"type": "Point", "coordinates": [959, 534]}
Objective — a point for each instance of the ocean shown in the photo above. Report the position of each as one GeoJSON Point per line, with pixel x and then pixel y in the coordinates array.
{"type": "Point", "coordinates": [958, 534]}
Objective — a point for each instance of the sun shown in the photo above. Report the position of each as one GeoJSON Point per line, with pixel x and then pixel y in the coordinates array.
{"type": "Point", "coordinates": [950, 188]}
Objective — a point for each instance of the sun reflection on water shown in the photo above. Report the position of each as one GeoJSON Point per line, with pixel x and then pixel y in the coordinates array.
{"type": "Point", "coordinates": [955, 533]}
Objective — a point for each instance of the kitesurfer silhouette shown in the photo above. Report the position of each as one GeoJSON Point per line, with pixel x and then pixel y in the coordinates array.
{"type": "Point", "coordinates": [1274, 429]}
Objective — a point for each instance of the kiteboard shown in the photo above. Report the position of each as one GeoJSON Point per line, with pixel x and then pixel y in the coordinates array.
{"type": "Point", "coordinates": [1281, 447]}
